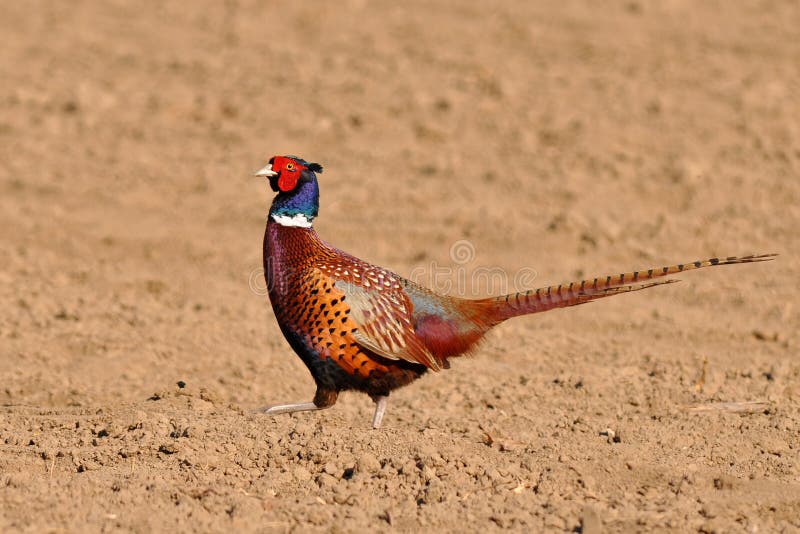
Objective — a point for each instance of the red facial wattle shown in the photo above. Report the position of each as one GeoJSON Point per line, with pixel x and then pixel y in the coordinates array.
{"type": "Point", "coordinates": [289, 172]}
{"type": "Point", "coordinates": [288, 181]}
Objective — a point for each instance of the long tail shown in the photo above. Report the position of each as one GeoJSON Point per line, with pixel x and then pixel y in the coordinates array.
{"type": "Point", "coordinates": [499, 309]}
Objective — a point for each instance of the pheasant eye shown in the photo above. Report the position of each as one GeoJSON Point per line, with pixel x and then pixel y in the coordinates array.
{"type": "Point", "coordinates": [290, 166]}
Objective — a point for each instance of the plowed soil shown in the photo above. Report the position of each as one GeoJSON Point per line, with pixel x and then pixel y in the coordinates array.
{"type": "Point", "coordinates": [559, 140]}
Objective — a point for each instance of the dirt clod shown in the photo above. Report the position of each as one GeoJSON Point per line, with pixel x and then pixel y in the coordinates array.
{"type": "Point", "coordinates": [563, 140]}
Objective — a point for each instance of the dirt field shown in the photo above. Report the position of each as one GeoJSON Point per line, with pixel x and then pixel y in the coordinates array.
{"type": "Point", "coordinates": [560, 138]}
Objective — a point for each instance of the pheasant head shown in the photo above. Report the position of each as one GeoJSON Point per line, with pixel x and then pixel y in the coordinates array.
{"type": "Point", "coordinates": [295, 181]}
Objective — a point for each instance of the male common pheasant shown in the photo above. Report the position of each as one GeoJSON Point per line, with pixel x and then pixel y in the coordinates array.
{"type": "Point", "coordinates": [358, 326]}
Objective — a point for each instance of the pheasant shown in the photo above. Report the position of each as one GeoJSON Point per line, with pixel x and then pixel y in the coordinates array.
{"type": "Point", "coordinates": [360, 327]}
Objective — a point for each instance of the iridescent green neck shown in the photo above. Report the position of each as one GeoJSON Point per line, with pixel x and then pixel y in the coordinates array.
{"type": "Point", "coordinates": [297, 207]}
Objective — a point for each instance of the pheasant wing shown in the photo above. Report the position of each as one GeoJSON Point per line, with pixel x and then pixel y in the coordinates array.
{"type": "Point", "coordinates": [383, 317]}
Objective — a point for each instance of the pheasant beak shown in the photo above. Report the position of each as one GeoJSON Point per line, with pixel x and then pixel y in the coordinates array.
{"type": "Point", "coordinates": [266, 172]}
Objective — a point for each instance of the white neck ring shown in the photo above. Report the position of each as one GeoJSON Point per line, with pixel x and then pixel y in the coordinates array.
{"type": "Point", "coordinates": [298, 220]}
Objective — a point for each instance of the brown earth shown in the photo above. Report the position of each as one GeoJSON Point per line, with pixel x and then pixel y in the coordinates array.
{"type": "Point", "coordinates": [566, 138]}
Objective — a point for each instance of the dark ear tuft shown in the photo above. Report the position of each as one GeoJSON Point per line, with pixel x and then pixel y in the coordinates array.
{"type": "Point", "coordinates": [314, 167]}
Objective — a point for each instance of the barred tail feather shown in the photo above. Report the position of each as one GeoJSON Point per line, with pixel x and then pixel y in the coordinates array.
{"type": "Point", "coordinates": [574, 293]}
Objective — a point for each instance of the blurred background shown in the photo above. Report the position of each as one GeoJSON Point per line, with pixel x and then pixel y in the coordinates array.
{"type": "Point", "coordinates": [563, 138]}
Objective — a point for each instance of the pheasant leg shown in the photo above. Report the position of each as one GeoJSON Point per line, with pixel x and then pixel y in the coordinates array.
{"type": "Point", "coordinates": [278, 409]}
{"type": "Point", "coordinates": [380, 409]}
{"type": "Point", "coordinates": [324, 398]}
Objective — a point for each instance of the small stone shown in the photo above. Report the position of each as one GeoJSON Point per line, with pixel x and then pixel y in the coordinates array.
{"type": "Point", "coordinates": [168, 448]}
{"type": "Point", "coordinates": [613, 437]}
{"type": "Point", "coordinates": [368, 463]}
{"type": "Point", "coordinates": [327, 481]}
{"type": "Point", "coordinates": [331, 469]}
{"type": "Point", "coordinates": [301, 474]}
